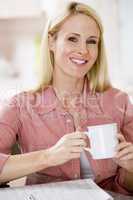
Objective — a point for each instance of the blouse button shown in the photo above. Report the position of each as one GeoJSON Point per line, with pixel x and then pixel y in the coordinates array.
{"type": "Point", "coordinates": [68, 121]}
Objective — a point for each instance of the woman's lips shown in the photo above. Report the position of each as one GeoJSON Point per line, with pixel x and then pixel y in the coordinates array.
{"type": "Point", "coordinates": [78, 61]}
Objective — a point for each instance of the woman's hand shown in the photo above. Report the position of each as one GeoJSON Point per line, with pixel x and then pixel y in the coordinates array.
{"type": "Point", "coordinates": [67, 148]}
{"type": "Point", "coordinates": [124, 156]}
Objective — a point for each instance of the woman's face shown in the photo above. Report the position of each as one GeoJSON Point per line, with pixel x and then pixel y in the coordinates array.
{"type": "Point", "coordinates": [76, 46]}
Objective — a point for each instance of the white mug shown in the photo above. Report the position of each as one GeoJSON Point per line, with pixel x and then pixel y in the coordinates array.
{"type": "Point", "coordinates": [103, 140]}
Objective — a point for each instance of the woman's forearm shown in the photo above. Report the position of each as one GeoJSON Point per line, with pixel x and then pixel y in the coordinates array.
{"type": "Point", "coordinates": [128, 182]}
{"type": "Point", "coordinates": [67, 148]}
{"type": "Point", "coordinates": [21, 165]}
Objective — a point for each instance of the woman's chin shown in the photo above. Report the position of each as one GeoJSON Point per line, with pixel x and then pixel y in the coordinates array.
{"type": "Point", "coordinates": [77, 75]}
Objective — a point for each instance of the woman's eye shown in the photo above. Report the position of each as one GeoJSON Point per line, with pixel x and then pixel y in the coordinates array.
{"type": "Point", "coordinates": [92, 42]}
{"type": "Point", "coordinates": [72, 39]}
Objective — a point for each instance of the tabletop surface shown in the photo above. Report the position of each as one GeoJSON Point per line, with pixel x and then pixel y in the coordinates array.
{"type": "Point", "coordinates": [84, 189]}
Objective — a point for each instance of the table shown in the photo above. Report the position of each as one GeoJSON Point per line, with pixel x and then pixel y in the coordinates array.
{"type": "Point", "coordinates": [83, 189]}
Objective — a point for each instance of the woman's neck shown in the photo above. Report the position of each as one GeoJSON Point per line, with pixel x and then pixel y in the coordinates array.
{"type": "Point", "coordinates": [66, 92]}
{"type": "Point", "coordinates": [68, 86]}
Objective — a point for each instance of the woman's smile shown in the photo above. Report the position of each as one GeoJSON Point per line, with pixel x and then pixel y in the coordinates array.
{"type": "Point", "coordinates": [79, 61]}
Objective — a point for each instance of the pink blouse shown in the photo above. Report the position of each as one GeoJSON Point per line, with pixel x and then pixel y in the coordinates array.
{"type": "Point", "coordinates": [39, 120]}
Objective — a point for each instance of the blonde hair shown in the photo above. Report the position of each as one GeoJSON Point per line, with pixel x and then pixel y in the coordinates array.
{"type": "Point", "coordinates": [98, 75]}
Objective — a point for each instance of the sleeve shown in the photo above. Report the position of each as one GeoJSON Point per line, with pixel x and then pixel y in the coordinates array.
{"type": "Point", "coordinates": [127, 131]}
{"type": "Point", "coordinates": [127, 127]}
{"type": "Point", "coordinates": [9, 127]}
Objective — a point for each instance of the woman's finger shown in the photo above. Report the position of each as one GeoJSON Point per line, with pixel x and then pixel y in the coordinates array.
{"type": "Point", "coordinates": [77, 142]}
{"type": "Point", "coordinates": [120, 137]}
{"type": "Point", "coordinates": [74, 155]}
{"type": "Point", "coordinates": [122, 145]}
{"type": "Point", "coordinates": [127, 157]}
{"type": "Point", "coordinates": [125, 151]}
{"type": "Point", "coordinates": [76, 135]}
{"type": "Point", "coordinates": [77, 150]}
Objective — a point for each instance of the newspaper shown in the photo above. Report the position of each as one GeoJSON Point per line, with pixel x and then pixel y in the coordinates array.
{"type": "Point", "coordinates": [84, 189]}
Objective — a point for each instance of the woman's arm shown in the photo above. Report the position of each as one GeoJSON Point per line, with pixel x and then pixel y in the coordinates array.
{"type": "Point", "coordinates": [68, 147]}
{"type": "Point", "coordinates": [124, 158]}
{"type": "Point", "coordinates": [21, 165]}
{"type": "Point", "coordinates": [125, 149]}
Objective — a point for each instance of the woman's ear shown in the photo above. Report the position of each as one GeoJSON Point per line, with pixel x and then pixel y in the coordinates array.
{"type": "Point", "coordinates": [51, 41]}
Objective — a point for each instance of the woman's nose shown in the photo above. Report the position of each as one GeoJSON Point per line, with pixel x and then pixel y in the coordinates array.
{"type": "Point", "coordinates": [83, 49]}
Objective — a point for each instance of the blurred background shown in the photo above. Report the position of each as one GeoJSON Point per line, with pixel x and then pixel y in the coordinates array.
{"type": "Point", "coordinates": [21, 27]}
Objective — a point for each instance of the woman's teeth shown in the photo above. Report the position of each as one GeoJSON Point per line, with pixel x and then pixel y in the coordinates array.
{"type": "Point", "coordinates": [78, 61]}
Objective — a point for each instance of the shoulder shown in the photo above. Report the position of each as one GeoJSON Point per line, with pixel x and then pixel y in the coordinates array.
{"type": "Point", "coordinates": [25, 98]}
{"type": "Point", "coordinates": [112, 91]}
{"type": "Point", "coordinates": [35, 100]}
{"type": "Point", "coordinates": [116, 95]}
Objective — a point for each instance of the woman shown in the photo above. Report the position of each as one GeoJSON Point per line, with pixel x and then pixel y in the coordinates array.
{"type": "Point", "coordinates": [74, 92]}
